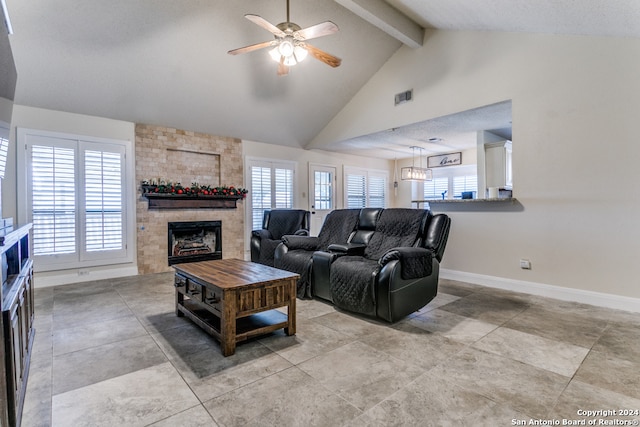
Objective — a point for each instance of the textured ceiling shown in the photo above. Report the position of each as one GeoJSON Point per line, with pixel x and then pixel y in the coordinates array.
{"type": "Point", "coordinates": [586, 17]}
{"type": "Point", "coordinates": [165, 63]}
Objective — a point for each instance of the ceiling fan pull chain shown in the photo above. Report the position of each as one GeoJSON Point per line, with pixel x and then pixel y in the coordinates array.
{"type": "Point", "coordinates": [288, 20]}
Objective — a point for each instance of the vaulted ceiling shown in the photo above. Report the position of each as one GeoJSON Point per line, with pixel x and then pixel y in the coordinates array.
{"type": "Point", "coordinates": [166, 62]}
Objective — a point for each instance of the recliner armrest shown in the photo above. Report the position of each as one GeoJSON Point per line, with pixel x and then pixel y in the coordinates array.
{"type": "Point", "coordinates": [347, 248]}
{"type": "Point", "coordinates": [414, 262]}
{"type": "Point", "coordinates": [262, 234]}
{"type": "Point", "coordinates": [307, 243]}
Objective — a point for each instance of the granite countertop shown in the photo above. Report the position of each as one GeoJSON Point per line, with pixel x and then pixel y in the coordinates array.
{"type": "Point", "coordinates": [499, 199]}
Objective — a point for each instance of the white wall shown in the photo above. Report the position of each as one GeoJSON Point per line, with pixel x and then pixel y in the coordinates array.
{"type": "Point", "coordinates": [575, 152]}
{"type": "Point", "coordinates": [6, 108]}
{"type": "Point", "coordinates": [77, 124]}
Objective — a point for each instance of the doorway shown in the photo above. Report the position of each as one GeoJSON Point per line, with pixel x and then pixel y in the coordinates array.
{"type": "Point", "coordinates": [322, 194]}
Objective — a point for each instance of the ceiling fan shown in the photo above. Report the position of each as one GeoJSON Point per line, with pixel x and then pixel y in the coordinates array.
{"type": "Point", "coordinates": [290, 45]}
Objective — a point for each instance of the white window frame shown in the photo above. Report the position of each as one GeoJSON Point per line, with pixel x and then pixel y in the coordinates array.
{"type": "Point", "coordinates": [368, 174]}
{"type": "Point", "coordinates": [81, 258]}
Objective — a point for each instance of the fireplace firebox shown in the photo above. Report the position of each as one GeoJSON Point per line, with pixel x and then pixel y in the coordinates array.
{"type": "Point", "coordinates": [193, 241]}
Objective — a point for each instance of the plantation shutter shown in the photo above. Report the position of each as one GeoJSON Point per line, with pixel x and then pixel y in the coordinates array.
{"type": "Point", "coordinates": [260, 194]}
{"type": "Point", "coordinates": [103, 201]}
{"type": "Point", "coordinates": [356, 191]}
{"type": "Point", "coordinates": [377, 191]}
{"type": "Point", "coordinates": [4, 150]}
{"type": "Point", "coordinates": [53, 200]}
{"type": "Point", "coordinates": [284, 188]}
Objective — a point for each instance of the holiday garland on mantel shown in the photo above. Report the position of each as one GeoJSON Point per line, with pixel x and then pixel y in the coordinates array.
{"type": "Point", "coordinates": [171, 188]}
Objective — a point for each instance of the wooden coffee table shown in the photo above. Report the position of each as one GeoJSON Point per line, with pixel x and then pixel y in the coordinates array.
{"type": "Point", "coordinates": [234, 300]}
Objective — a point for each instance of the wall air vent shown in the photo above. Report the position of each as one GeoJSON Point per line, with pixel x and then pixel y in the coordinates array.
{"type": "Point", "coordinates": [403, 97]}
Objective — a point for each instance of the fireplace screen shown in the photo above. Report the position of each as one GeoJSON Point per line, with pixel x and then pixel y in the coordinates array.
{"type": "Point", "coordinates": [194, 241]}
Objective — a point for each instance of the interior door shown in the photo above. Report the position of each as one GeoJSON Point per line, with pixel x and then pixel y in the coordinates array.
{"type": "Point", "coordinates": [322, 194]}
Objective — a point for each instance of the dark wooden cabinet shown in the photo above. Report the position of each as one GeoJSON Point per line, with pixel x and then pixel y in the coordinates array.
{"type": "Point", "coordinates": [17, 323]}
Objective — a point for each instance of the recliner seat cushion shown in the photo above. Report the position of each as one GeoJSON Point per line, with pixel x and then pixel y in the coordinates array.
{"type": "Point", "coordinates": [267, 249]}
{"type": "Point", "coordinates": [297, 260]}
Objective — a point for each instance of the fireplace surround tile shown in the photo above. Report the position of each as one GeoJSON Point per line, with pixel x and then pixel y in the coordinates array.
{"type": "Point", "coordinates": [219, 163]}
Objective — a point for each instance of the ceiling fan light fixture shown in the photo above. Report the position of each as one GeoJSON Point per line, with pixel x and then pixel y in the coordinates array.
{"type": "Point", "coordinates": [300, 53]}
{"type": "Point", "coordinates": [286, 47]}
{"type": "Point", "coordinates": [289, 61]}
{"type": "Point", "coordinates": [289, 53]}
{"type": "Point", "coordinates": [275, 54]}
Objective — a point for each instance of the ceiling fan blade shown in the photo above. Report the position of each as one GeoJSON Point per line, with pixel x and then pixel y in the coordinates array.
{"type": "Point", "coordinates": [252, 47]}
{"type": "Point", "coordinates": [283, 70]}
{"type": "Point", "coordinates": [319, 30]}
{"type": "Point", "coordinates": [323, 56]}
{"type": "Point", "coordinates": [258, 20]}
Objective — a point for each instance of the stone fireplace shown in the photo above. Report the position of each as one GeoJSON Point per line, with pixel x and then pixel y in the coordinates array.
{"type": "Point", "coordinates": [187, 157]}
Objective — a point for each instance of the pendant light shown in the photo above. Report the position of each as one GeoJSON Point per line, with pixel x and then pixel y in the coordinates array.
{"type": "Point", "coordinates": [416, 173]}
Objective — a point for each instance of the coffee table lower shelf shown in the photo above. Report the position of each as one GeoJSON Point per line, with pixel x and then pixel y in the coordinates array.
{"type": "Point", "coordinates": [246, 327]}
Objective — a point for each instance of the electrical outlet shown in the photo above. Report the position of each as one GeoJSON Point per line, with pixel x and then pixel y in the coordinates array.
{"type": "Point", "coordinates": [83, 272]}
{"type": "Point", "coordinates": [525, 264]}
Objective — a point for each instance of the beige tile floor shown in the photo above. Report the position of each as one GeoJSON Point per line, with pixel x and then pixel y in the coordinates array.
{"type": "Point", "coordinates": [113, 353]}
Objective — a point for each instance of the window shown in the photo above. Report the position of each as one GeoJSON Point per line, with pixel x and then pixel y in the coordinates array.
{"type": "Point", "coordinates": [356, 191]}
{"type": "Point", "coordinates": [103, 201]}
{"type": "Point", "coordinates": [76, 200]}
{"type": "Point", "coordinates": [271, 188]}
{"type": "Point", "coordinates": [53, 200]}
{"type": "Point", "coordinates": [435, 188]}
{"type": "Point", "coordinates": [323, 194]}
{"type": "Point", "coordinates": [4, 149]}
{"type": "Point", "coordinates": [464, 183]}
{"type": "Point", "coordinates": [365, 188]}
{"type": "Point", "coordinates": [450, 182]}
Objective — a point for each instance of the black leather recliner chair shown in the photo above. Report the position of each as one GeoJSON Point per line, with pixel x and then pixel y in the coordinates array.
{"type": "Point", "coordinates": [395, 274]}
{"type": "Point", "coordinates": [296, 252]}
{"type": "Point", "coordinates": [275, 224]}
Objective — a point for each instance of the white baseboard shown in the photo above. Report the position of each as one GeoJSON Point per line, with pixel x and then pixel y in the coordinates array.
{"type": "Point", "coordinates": [617, 302]}
{"type": "Point", "coordinates": [67, 277]}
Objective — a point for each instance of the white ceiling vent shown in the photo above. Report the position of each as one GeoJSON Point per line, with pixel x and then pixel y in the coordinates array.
{"type": "Point", "coordinates": [403, 97]}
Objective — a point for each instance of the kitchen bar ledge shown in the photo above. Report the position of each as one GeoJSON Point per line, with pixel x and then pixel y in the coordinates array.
{"type": "Point", "coordinates": [470, 205]}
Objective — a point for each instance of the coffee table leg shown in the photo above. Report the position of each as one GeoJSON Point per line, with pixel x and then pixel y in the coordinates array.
{"type": "Point", "coordinates": [179, 301]}
{"type": "Point", "coordinates": [291, 310]}
{"type": "Point", "coordinates": [228, 323]}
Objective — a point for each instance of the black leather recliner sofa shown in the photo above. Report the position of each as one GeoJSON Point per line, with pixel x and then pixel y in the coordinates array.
{"type": "Point", "coordinates": [341, 226]}
{"type": "Point", "coordinates": [275, 224]}
{"type": "Point", "coordinates": [388, 267]}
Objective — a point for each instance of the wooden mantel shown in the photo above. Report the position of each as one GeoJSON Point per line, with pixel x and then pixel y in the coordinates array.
{"type": "Point", "coordinates": [184, 201]}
